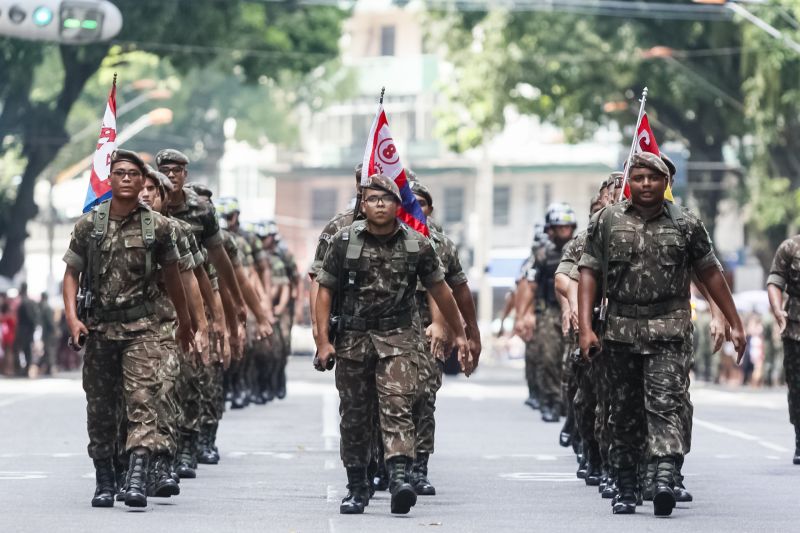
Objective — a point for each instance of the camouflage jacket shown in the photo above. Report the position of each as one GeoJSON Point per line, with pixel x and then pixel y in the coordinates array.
{"type": "Point", "coordinates": [453, 272]}
{"type": "Point", "coordinates": [649, 268]}
{"type": "Point", "coordinates": [785, 274]}
{"type": "Point", "coordinates": [339, 221]}
{"type": "Point", "coordinates": [200, 214]}
{"type": "Point", "coordinates": [121, 262]}
{"type": "Point", "coordinates": [572, 254]}
{"type": "Point", "coordinates": [384, 284]}
{"type": "Point", "coordinates": [188, 253]}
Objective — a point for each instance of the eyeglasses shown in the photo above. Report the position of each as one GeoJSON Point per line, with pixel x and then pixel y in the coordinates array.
{"type": "Point", "coordinates": [177, 169]}
{"type": "Point", "coordinates": [384, 199]}
{"type": "Point", "coordinates": [130, 173]}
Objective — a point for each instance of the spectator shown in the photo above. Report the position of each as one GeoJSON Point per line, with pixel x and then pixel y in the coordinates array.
{"type": "Point", "coordinates": [8, 329]}
{"type": "Point", "coordinates": [49, 341]}
{"type": "Point", "coordinates": [27, 320]}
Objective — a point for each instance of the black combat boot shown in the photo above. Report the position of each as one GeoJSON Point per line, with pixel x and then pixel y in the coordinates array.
{"type": "Point", "coordinates": [533, 400]}
{"type": "Point", "coordinates": [280, 389]}
{"type": "Point", "coordinates": [594, 472]}
{"type": "Point", "coordinates": [565, 437]}
{"type": "Point", "coordinates": [549, 414]}
{"type": "Point", "coordinates": [582, 468]}
{"type": "Point", "coordinates": [649, 480]}
{"type": "Point", "coordinates": [625, 500]}
{"type": "Point", "coordinates": [610, 490]}
{"type": "Point", "coordinates": [419, 476]}
{"type": "Point", "coordinates": [121, 473]}
{"type": "Point", "coordinates": [796, 458]}
{"type": "Point", "coordinates": [105, 483]}
{"type": "Point", "coordinates": [663, 496]}
{"type": "Point", "coordinates": [357, 491]}
{"type": "Point", "coordinates": [403, 495]}
{"type": "Point", "coordinates": [212, 437]}
{"type": "Point", "coordinates": [184, 468]}
{"type": "Point", "coordinates": [205, 454]}
{"type": "Point", "coordinates": [681, 494]}
{"type": "Point", "coordinates": [136, 493]}
{"type": "Point", "coordinates": [381, 480]}
{"type": "Point", "coordinates": [160, 483]}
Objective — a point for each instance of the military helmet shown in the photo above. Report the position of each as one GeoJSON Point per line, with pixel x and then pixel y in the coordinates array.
{"type": "Point", "coordinates": [227, 205]}
{"type": "Point", "coordinates": [265, 228]}
{"type": "Point", "coordinates": [563, 215]}
{"type": "Point", "coordinates": [383, 183]}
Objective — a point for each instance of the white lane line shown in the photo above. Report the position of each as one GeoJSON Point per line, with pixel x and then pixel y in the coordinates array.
{"type": "Point", "coordinates": [15, 399]}
{"type": "Point", "coordinates": [331, 495]}
{"type": "Point", "coordinates": [330, 421]}
{"type": "Point", "coordinates": [331, 526]}
{"type": "Point", "coordinates": [740, 435]}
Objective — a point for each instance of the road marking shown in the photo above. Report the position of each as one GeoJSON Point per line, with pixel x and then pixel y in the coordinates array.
{"type": "Point", "coordinates": [558, 477]}
{"type": "Point", "coordinates": [332, 494]}
{"type": "Point", "coordinates": [331, 525]}
{"type": "Point", "coordinates": [330, 421]}
{"type": "Point", "coordinates": [773, 457]}
{"type": "Point", "coordinates": [17, 476]}
{"type": "Point", "coordinates": [740, 435]}
{"type": "Point", "coordinates": [536, 456]}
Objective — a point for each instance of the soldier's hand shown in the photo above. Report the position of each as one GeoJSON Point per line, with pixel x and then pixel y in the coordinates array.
{"type": "Point", "coordinates": [324, 353]}
{"type": "Point", "coordinates": [475, 348]}
{"type": "Point", "coordinates": [216, 333]}
{"type": "Point", "coordinates": [718, 330]}
{"type": "Point", "coordinates": [573, 318]}
{"type": "Point", "coordinates": [464, 356]}
{"type": "Point", "coordinates": [264, 330]}
{"type": "Point", "coordinates": [225, 352]}
{"type": "Point", "coordinates": [589, 343]}
{"type": "Point", "coordinates": [241, 314]}
{"type": "Point", "coordinates": [739, 340]}
{"type": "Point", "coordinates": [437, 336]}
{"type": "Point", "coordinates": [76, 328]}
{"type": "Point", "coordinates": [780, 320]}
{"type": "Point", "coordinates": [237, 348]}
{"type": "Point", "coordinates": [185, 337]}
{"type": "Point", "coordinates": [202, 346]}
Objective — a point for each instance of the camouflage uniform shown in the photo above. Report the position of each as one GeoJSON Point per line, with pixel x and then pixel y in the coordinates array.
{"type": "Point", "coordinates": [279, 357]}
{"type": "Point", "coordinates": [785, 274]}
{"type": "Point", "coordinates": [287, 320]}
{"type": "Point", "coordinates": [377, 347]}
{"type": "Point", "coordinates": [122, 350]}
{"type": "Point", "coordinates": [430, 367]}
{"type": "Point", "coordinates": [530, 346]}
{"type": "Point", "coordinates": [339, 221]}
{"type": "Point", "coordinates": [649, 322]}
{"type": "Point", "coordinates": [548, 339]}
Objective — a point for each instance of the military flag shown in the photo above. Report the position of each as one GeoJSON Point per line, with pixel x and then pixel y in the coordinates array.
{"type": "Point", "coordinates": [381, 157]}
{"type": "Point", "coordinates": [99, 184]}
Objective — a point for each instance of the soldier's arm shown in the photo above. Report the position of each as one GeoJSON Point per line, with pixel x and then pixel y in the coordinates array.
{"type": "Point", "coordinates": [198, 315]}
{"type": "Point", "coordinates": [776, 284]}
{"type": "Point", "coordinates": [265, 328]}
{"type": "Point", "coordinates": [227, 276]}
{"type": "Point", "coordinates": [266, 303]}
{"type": "Point", "coordinates": [466, 305]}
{"type": "Point", "coordinates": [443, 297]}
{"type": "Point", "coordinates": [217, 332]}
{"type": "Point", "coordinates": [70, 293]}
{"type": "Point", "coordinates": [235, 327]}
{"type": "Point", "coordinates": [172, 280]}
{"type": "Point", "coordinates": [284, 292]}
{"type": "Point", "coordinates": [437, 330]}
{"type": "Point", "coordinates": [718, 327]}
{"type": "Point", "coordinates": [325, 349]}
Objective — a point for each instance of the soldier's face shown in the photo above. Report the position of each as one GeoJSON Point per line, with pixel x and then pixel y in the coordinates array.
{"type": "Point", "coordinates": [175, 172]}
{"type": "Point", "coordinates": [126, 180]}
{"type": "Point", "coordinates": [647, 186]}
{"type": "Point", "coordinates": [423, 203]}
{"type": "Point", "coordinates": [150, 195]}
{"type": "Point", "coordinates": [379, 206]}
{"type": "Point", "coordinates": [562, 234]}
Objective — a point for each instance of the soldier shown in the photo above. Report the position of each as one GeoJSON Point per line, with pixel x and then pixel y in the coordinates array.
{"type": "Point", "coordinates": [643, 250]}
{"type": "Point", "coordinates": [784, 276]}
{"type": "Point", "coordinates": [121, 241]}
{"type": "Point", "coordinates": [431, 364]}
{"type": "Point", "coordinates": [541, 296]}
{"type": "Point", "coordinates": [284, 285]}
{"type": "Point", "coordinates": [372, 267]}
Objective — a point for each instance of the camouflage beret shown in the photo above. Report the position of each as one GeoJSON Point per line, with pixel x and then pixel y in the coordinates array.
{"type": "Point", "coordinates": [162, 182]}
{"type": "Point", "coordinates": [170, 155]}
{"type": "Point", "coordinates": [411, 175]}
{"type": "Point", "coordinates": [131, 157]}
{"type": "Point", "coordinates": [200, 189]}
{"type": "Point", "coordinates": [670, 165]}
{"type": "Point", "coordinates": [421, 190]}
{"type": "Point", "coordinates": [384, 183]}
{"type": "Point", "coordinates": [651, 161]}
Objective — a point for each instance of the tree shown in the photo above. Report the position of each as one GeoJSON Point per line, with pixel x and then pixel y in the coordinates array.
{"type": "Point", "coordinates": [256, 39]}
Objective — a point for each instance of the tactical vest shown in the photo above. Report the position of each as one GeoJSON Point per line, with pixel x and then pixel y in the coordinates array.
{"type": "Point", "coordinates": [546, 289]}
{"type": "Point", "coordinates": [140, 309]}
{"type": "Point", "coordinates": [404, 262]}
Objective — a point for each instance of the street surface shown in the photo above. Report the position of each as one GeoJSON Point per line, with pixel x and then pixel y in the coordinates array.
{"type": "Point", "coordinates": [498, 467]}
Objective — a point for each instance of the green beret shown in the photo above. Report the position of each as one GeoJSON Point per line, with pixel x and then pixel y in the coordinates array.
{"type": "Point", "coordinates": [651, 161]}
{"type": "Point", "coordinates": [670, 165]}
{"type": "Point", "coordinates": [170, 155]}
{"type": "Point", "coordinates": [384, 183]}
{"type": "Point", "coordinates": [200, 189]}
{"type": "Point", "coordinates": [420, 189]}
{"type": "Point", "coordinates": [131, 157]}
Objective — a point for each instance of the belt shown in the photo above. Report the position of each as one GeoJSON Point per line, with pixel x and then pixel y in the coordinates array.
{"type": "Point", "coordinates": [126, 314]}
{"type": "Point", "coordinates": [355, 323]}
{"type": "Point", "coordinates": [648, 310]}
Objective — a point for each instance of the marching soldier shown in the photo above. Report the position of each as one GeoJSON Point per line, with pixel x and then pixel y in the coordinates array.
{"type": "Point", "coordinates": [122, 241]}
{"type": "Point", "coordinates": [642, 251]}
{"type": "Point", "coordinates": [372, 268]}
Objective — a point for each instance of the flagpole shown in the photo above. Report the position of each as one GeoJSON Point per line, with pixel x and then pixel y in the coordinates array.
{"type": "Point", "coordinates": [626, 171]}
{"type": "Point", "coordinates": [383, 90]}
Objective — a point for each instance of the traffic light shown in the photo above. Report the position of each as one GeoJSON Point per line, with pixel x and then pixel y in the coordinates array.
{"type": "Point", "coordinates": [63, 21]}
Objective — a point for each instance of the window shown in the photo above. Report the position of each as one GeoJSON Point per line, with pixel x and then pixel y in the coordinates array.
{"type": "Point", "coordinates": [324, 203]}
{"type": "Point", "coordinates": [453, 205]}
{"type": "Point", "coordinates": [502, 205]}
{"type": "Point", "coordinates": [387, 40]}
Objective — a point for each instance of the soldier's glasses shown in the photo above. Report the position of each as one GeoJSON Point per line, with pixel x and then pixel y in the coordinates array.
{"type": "Point", "coordinates": [120, 174]}
{"type": "Point", "coordinates": [384, 199]}
{"type": "Point", "coordinates": [171, 170]}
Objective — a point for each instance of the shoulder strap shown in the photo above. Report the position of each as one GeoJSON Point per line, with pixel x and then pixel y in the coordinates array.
{"type": "Point", "coordinates": [149, 237]}
{"type": "Point", "coordinates": [355, 245]}
{"type": "Point", "coordinates": [101, 216]}
{"type": "Point", "coordinates": [411, 247]}
{"type": "Point", "coordinates": [679, 219]}
{"type": "Point", "coordinates": [101, 221]}
{"type": "Point", "coordinates": [606, 233]}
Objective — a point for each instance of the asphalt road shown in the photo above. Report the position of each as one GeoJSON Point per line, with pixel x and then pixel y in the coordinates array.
{"type": "Point", "coordinates": [498, 467]}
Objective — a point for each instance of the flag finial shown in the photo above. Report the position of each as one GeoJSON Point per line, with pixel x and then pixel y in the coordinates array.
{"type": "Point", "coordinates": [115, 79]}
{"type": "Point", "coordinates": [383, 90]}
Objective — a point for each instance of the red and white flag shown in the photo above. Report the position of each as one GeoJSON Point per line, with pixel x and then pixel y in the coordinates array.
{"type": "Point", "coordinates": [99, 185]}
{"type": "Point", "coordinates": [381, 157]}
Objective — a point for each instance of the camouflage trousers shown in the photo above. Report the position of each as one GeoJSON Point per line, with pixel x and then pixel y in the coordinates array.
{"type": "Point", "coordinates": [791, 368]}
{"type": "Point", "coordinates": [549, 357]}
{"type": "Point", "coordinates": [599, 376]}
{"type": "Point", "coordinates": [430, 381]}
{"type": "Point", "coordinates": [530, 368]}
{"type": "Point", "coordinates": [285, 322]}
{"type": "Point", "coordinates": [188, 394]}
{"type": "Point", "coordinates": [393, 381]}
{"type": "Point", "coordinates": [585, 403]}
{"type": "Point", "coordinates": [569, 377]}
{"type": "Point", "coordinates": [646, 404]}
{"type": "Point", "coordinates": [212, 400]}
{"type": "Point", "coordinates": [131, 368]}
